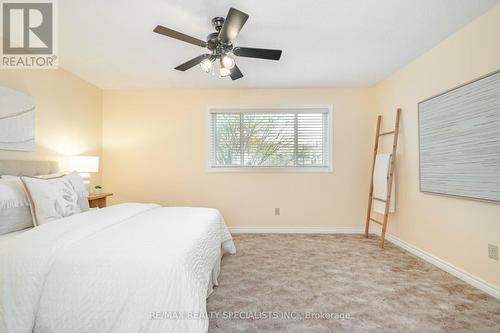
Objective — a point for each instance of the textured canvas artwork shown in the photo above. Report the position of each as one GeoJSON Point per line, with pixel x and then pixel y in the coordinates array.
{"type": "Point", "coordinates": [459, 134]}
{"type": "Point", "coordinates": [17, 120]}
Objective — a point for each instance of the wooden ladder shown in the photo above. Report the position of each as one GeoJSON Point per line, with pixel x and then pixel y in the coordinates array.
{"type": "Point", "coordinates": [390, 179]}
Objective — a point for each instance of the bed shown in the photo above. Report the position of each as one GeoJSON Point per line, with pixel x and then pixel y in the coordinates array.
{"type": "Point", "coordinates": [125, 268]}
{"type": "Point", "coordinates": [5, 237]}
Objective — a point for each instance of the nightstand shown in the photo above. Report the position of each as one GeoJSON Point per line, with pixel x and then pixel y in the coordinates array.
{"type": "Point", "coordinates": [98, 200]}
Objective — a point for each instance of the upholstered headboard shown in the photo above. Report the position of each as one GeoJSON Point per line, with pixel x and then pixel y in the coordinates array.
{"type": "Point", "coordinates": [27, 168]}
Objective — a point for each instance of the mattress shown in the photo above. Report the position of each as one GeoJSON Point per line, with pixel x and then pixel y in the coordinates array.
{"type": "Point", "coordinates": [10, 235]}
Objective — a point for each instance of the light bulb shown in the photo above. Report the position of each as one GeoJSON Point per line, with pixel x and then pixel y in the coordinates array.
{"type": "Point", "coordinates": [224, 71]}
{"type": "Point", "coordinates": [206, 65]}
{"type": "Point", "coordinates": [227, 61]}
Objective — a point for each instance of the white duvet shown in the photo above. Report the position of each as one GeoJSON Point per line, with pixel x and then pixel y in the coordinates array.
{"type": "Point", "coordinates": [125, 268]}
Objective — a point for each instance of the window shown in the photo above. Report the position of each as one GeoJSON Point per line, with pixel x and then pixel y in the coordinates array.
{"type": "Point", "coordinates": [291, 137]}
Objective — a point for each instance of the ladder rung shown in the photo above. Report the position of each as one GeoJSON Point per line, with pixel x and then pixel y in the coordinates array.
{"type": "Point", "coordinates": [378, 199]}
{"type": "Point", "coordinates": [371, 219]}
{"type": "Point", "coordinates": [386, 133]}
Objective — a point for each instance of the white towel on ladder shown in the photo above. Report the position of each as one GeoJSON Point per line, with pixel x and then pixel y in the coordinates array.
{"type": "Point", "coordinates": [380, 180]}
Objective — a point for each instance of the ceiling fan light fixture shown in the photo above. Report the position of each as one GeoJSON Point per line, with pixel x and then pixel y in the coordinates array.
{"type": "Point", "coordinates": [206, 65]}
{"type": "Point", "coordinates": [220, 45]}
{"type": "Point", "coordinates": [224, 71]}
{"type": "Point", "coordinates": [227, 61]}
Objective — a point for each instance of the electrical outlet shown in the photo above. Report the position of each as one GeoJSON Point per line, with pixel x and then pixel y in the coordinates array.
{"type": "Point", "coordinates": [493, 251]}
{"type": "Point", "coordinates": [276, 211]}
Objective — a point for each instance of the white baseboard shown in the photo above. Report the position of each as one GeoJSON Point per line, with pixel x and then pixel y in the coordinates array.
{"type": "Point", "coordinates": [445, 266]}
{"type": "Point", "coordinates": [296, 230]}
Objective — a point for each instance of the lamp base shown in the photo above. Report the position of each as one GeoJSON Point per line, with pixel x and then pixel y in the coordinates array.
{"type": "Point", "coordinates": [86, 180]}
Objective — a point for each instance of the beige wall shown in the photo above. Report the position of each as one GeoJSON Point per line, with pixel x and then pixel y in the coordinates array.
{"type": "Point", "coordinates": [68, 114]}
{"type": "Point", "coordinates": [456, 230]}
{"type": "Point", "coordinates": [155, 150]}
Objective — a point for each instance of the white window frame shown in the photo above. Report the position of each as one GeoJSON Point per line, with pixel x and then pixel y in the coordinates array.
{"type": "Point", "coordinates": [271, 108]}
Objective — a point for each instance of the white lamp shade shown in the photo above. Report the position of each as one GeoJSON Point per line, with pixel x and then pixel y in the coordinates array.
{"type": "Point", "coordinates": [83, 163]}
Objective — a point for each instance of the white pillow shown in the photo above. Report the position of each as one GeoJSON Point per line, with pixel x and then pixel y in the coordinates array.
{"type": "Point", "coordinates": [55, 198]}
{"type": "Point", "coordinates": [14, 206]}
{"type": "Point", "coordinates": [80, 189]}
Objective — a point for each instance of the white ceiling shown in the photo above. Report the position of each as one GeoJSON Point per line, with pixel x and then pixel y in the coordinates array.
{"type": "Point", "coordinates": [325, 43]}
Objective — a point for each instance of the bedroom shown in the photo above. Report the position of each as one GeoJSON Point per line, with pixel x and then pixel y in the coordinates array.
{"type": "Point", "coordinates": [114, 109]}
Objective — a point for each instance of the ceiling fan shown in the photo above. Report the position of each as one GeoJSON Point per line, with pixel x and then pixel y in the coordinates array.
{"type": "Point", "coordinates": [220, 45]}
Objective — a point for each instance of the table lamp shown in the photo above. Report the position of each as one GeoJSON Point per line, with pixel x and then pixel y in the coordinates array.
{"type": "Point", "coordinates": [84, 165]}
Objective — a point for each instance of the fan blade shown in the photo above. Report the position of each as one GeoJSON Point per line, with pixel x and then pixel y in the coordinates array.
{"type": "Point", "coordinates": [193, 62]}
{"type": "Point", "coordinates": [233, 23]}
{"type": "Point", "coordinates": [250, 52]}
{"type": "Point", "coordinates": [236, 73]}
{"type": "Point", "coordinates": [178, 35]}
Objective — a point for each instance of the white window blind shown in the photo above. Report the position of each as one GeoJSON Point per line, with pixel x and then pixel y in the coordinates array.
{"type": "Point", "coordinates": [281, 138]}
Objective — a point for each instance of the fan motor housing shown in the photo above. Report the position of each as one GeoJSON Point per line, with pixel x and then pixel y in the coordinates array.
{"type": "Point", "coordinates": [214, 44]}
{"type": "Point", "coordinates": [218, 22]}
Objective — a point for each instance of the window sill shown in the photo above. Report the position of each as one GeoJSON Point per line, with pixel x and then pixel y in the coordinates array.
{"type": "Point", "coordinates": [270, 170]}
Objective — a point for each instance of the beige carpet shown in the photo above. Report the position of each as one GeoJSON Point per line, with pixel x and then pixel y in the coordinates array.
{"type": "Point", "coordinates": [348, 281]}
